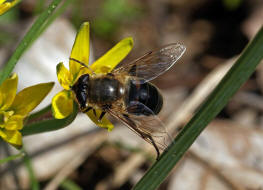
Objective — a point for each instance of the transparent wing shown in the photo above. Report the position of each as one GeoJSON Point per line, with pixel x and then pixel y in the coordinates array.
{"type": "Point", "coordinates": [150, 127]}
{"type": "Point", "coordinates": [153, 63]}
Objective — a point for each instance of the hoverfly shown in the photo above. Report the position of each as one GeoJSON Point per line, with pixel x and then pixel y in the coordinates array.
{"type": "Point", "coordinates": [126, 93]}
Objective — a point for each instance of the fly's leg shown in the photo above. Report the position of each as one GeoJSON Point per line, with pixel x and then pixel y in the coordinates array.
{"type": "Point", "coordinates": [87, 109]}
{"type": "Point", "coordinates": [153, 143]}
{"type": "Point", "coordinates": [94, 112]}
{"type": "Point", "coordinates": [102, 115]}
{"type": "Point", "coordinates": [104, 108]}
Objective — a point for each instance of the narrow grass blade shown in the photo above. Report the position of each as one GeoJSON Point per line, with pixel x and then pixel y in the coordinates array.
{"type": "Point", "coordinates": [237, 75]}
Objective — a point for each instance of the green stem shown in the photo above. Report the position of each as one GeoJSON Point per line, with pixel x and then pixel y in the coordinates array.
{"type": "Point", "coordinates": [49, 125]}
{"type": "Point", "coordinates": [26, 41]}
{"type": "Point", "coordinates": [237, 75]}
{"type": "Point", "coordinates": [39, 113]}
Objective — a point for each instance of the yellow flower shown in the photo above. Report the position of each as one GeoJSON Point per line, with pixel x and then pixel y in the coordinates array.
{"type": "Point", "coordinates": [62, 103]}
{"type": "Point", "coordinates": [15, 107]}
{"type": "Point", "coordinates": [6, 5]}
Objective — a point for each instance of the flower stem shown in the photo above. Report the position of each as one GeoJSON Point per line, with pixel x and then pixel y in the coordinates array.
{"type": "Point", "coordinates": [39, 113]}
{"type": "Point", "coordinates": [49, 125]}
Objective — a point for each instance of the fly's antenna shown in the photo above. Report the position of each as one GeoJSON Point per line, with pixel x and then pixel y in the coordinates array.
{"type": "Point", "coordinates": [83, 64]}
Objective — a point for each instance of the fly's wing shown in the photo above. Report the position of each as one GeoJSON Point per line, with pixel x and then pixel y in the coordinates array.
{"type": "Point", "coordinates": [153, 63]}
{"type": "Point", "coordinates": [149, 127]}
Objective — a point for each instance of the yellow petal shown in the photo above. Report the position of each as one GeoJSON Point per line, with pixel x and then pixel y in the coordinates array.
{"type": "Point", "coordinates": [15, 122]}
{"type": "Point", "coordinates": [113, 57]}
{"type": "Point", "coordinates": [27, 99]}
{"type": "Point", "coordinates": [8, 92]}
{"type": "Point", "coordinates": [5, 6]}
{"type": "Point", "coordinates": [104, 123]}
{"type": "Point", "coordinates": [62, 104]}
{"type": "Point", "coordinates": [64, 77]}
{"type": "Point", "coordinates": [13, 137]}
{"type": "Point", "coordinates": [80, 50]}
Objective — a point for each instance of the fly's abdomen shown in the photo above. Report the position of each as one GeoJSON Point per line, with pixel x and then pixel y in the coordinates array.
{"type": "Point", "coordinates": [144, 93]}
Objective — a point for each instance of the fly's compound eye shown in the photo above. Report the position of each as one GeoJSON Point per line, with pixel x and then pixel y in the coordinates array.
{"type": "Point", "coordinates": [84, 79]}
{"type": "Point", "coordinates": [80, 90]}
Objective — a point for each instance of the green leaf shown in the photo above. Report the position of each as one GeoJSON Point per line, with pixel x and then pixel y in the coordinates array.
{"type": "Point", "coordinates": [237, 75]}
{"type": "Point", "coordinates": [49, 125]}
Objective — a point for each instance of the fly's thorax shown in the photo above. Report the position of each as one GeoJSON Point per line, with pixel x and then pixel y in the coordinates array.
{"type": "Point", "coordinates": [104, 90]}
